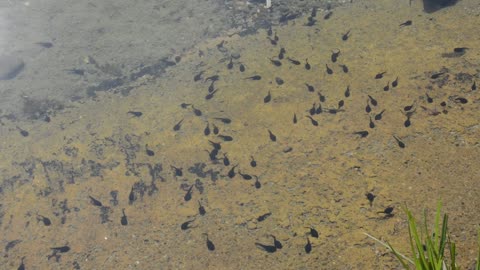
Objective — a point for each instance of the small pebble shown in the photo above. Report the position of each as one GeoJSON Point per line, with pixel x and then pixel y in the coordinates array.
{"type": "Point", "coordinates": [287, 149]}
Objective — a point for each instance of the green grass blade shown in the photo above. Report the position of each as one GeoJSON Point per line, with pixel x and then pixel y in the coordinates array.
{"type": "Point", "coordinates": [433, 257]}
{"type": "Point", "coordinates": [453, 264]}
{"type": "Point", "coordinates": [478, 258]}
{"type": "Point", "coordinates": [437, 224]}
{"type": "Point", "coordinates": [399, 257]}
{"type": "Point", "coordinates": [420, 260]}
{"type": "Point", "coordinates": [389, 247]}
{"type": "Point", "coordinates": [443, 239]}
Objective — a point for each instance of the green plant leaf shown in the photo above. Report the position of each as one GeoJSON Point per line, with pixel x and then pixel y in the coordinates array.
{"type": "Point", "coordinates": [453, 264]}
{"type": "Point", "coordinates": [478, 258]}
{"type": "Point", "coordinates": [417, 246]}
{"type": "Point", "coordinates": [399, 257]}
{"type": "Point", "coordinates": [428, 246]}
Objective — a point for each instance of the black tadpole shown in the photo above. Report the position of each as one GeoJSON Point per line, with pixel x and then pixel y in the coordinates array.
{"type": "Point", "coordinates": [293, 61]}
{"type": "Point", "coordinates": [198, 77]}
{"type": "Point", "coordinates": [347, 92]}
{"type": "Point", "coordinates": [370, 198]}
{"type": "Point", "coordinates": [211, 87]}
{"type": "Point", "coordinates": [136, 114]}
{"type": "Point", "coordinates": [328, 15]}
{"type": "Point", "coordinates": [460, 49]}
{"type": "Point", "coordinates": [313, 232]}
{"type": "Point", "coordinates": [23, 132]}
{"type": "Point", "coordinates": [254, 78]}
{"type": "Point", "coordinates": [379, 115]}
{"type": "Point", "coordinates": [63, 249]}
{"type": "Point", "coordinates": [263, 217]}
{"type": "Point", "coordinates": [131, 196]}
{"type": "Point", "coordinates": [124, 220]}
{"type": "Point", "coordinates": [201, 209]}
{"type": "Point", "coordinates": [149, 152]}
{"type": "Point", "coordinates": [368, 108]}
{"type": "Point", "coordinates": [313, 121]}
{"type": "Point", "coordinates": [373, 101]}
{"type": "Point", "coordinates": [335, 56]}
{"type": "Point", "coordinates": [386, 87]}
{"type": "Point", "coordinates": [371, 125]}
{"type": "Point", "coordinates": [215, 145]}
{"type": "Point", "coordinates": [210, 95]}
{"type": "Point", "coordinates": [223, 120]}
{"type": "Point", "coordinates": [407, 23]}
{"type": "Point", "coordinates": [258, 185]}
{"type": "Point", "coordinates": [321, 97]}
{"type": "Point", "coordinates": [231, 173]}
{"type": "Point", "coordinates": [212, 78]}
{"type": "Point", "coordinates": [461, 100]}
{"type": "Point", "coordinates": [178, 171]}
{"type": "Point", "coordinates": [267, 98]}
{"type": "Point", "coordinates": [282, 53]}
{"type": "Point", "coordinates": [276, 243]}
{"type": "Point", "coordinates": [409, 107]}
{"type": "Point", "coordinates": [387, 211]}
{"type": "Point", "coordinates": [400, 143]}
{"type": "Point", "coordinates": [436, 75]}
{"type": "Point", "coordinates": [188, 195]}
{"type": "Point", "coordinates": [215, 129]}
{"type": "Point", "coordinates": [206, 131]}
{"type": "Point", "coordinates": [226, 161]}
{"type": "Point", "coordinates": [253, 162]}
{"type": "Point", "coordinates": [184, 105]}
{"type": "Point", "coordinates": [310, 87]}
{"type": "Point", "coordinates": [273, 138]}
{"type": "Point", "coordinates": [308, 246]}
{"type": "Point", "coordinates": [395, 83]}
{"type": "Point", "coordinates": [267, 248]}
{"type": "Point", "coordinates": [95, 202]}
{"type": "Point", "coordinates": [312, 110]}
{"type": "Point", "coordinates": [210, 244]}
{"type": "Point", "coordinates": [329, 70]}
{"type": "Point", "coordinates": [213, 154]}
{"type": "Point", "coordinates": [429, 99]}
{"type": "Point", "coordinates": [178, 125]}
{"type": "Point", "coordinates": [362, 133]}
{"type": "Point", "coordinates": [196, 111]}
{"type": "Point", "coordinates": [279, 80]}
{"type": "Point", "coordinates": [380, 75]}
{"type": "Point", "coordinates": [46, 221]}
{"type": "Point", "coordinates": [307, 65]}
{"type": "Point", "coordinates": [186, 225]}
{"type": "Point", "coordinates": [245, 176]}
{"type": "Point", "coordinates": [226, 138]}
{"type": "Point", "coordinates": [276, 63]}
{"type": "Point", "coordinates": [22, 265]}
{"type": "Point", "coordinates": [407, 122]}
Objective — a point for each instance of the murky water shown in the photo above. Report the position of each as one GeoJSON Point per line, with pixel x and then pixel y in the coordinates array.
{"type": "Point", "coordinates": [311, 176]}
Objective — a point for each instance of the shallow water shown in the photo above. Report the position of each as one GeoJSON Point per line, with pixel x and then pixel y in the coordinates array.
{"type": "Point", "coordinates": [96, 148]}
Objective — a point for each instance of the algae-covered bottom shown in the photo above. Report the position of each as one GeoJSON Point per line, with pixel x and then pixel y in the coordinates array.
{"type": "Point", "coordinates": [134, 182]}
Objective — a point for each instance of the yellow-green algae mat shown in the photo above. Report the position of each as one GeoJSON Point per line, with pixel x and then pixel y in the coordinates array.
{"type": "Point", "coordinates": [96, 147]}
